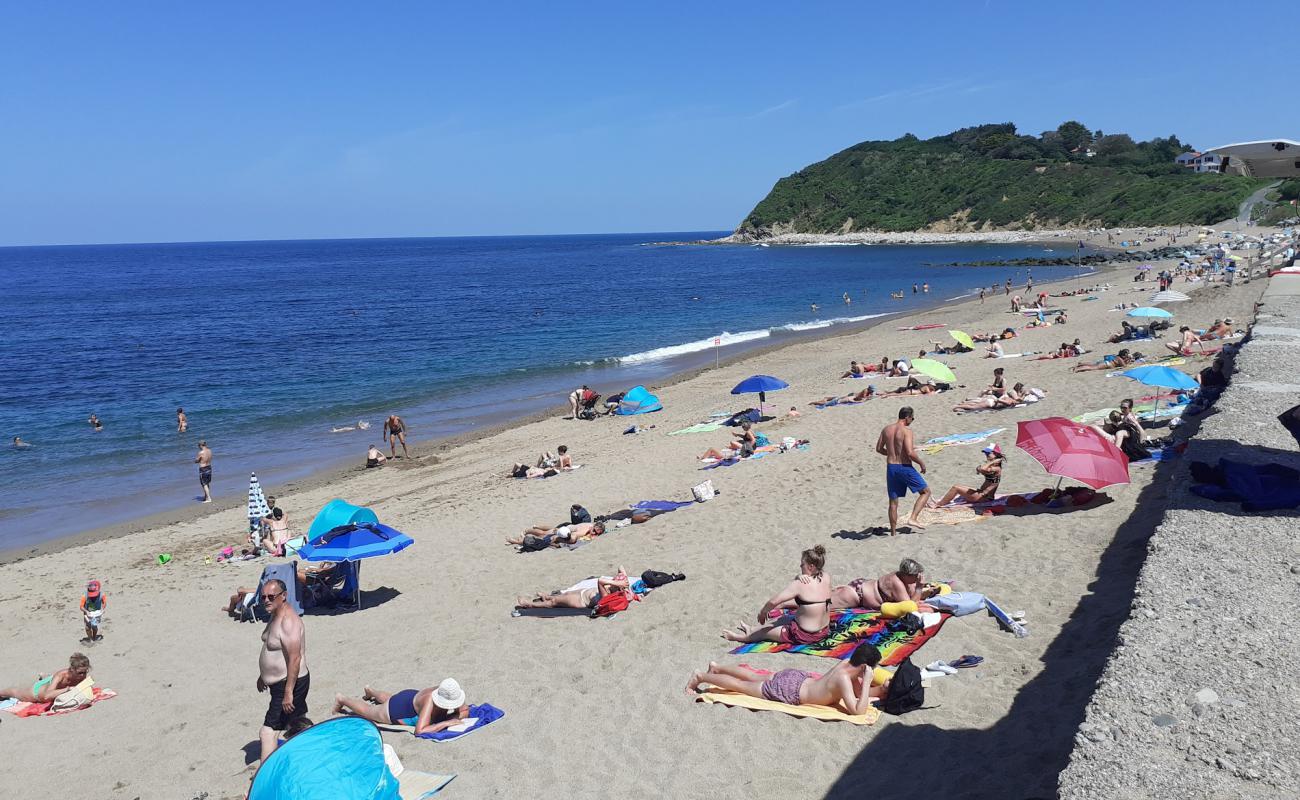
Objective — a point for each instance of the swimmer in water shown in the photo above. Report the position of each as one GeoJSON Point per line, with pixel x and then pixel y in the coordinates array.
{"type": "Point", "coordinates": [814, 308]}
{"type": "Point", "coordinates": [847, 300]}
{"type": "Point", "coordinates": [182, 422]}
{"type": "Point", "coordinates": [19, 444]}
{"type": "Point", "coordinates": [95, 423]}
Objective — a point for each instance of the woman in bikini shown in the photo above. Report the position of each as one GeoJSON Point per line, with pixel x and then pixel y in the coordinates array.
{"type": "Point", "coordinates": [990, 471]}
{"type": "Point", "coordinates": [47, 687]}
{"type": "Point", "coordinates": [893, 587]}
{"type": "Point", "coordinates": [811, 620]}
{"type": "Point", "coordinates": [579, 598]}
{"type": "Point", "coordinates": [847, 684]}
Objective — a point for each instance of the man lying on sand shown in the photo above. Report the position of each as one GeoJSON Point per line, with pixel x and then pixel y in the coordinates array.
{"type": "Point", "coordinates": [579, 598]}
{"type": "Point", "coordinates": [847, 684]}
{"type": "Point", "coordinates": [48, 687]}
{"type": "Point", "coordinates": [810, 592]}
{"type": "Point", "coordinates": [429, 710]}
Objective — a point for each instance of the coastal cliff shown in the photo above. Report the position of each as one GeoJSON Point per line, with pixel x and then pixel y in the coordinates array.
{"type": "Point", "coordinates": [989, 178]}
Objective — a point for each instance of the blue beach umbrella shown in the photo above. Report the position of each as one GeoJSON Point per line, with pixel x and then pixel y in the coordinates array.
{"type": "Point", "coordinates": [1164, 377]}
{"type": "Point", "coordinates": [1148, 311]}
{"type": "Point", "coordinates": [761, 384]}
{"type": "Point", "coordinates": [352, 543]}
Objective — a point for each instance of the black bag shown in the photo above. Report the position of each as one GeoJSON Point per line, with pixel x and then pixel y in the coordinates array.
{"type": "Point", "coordinates": [908, 623]}
{"type": "Point", "coordinates": [905, 691]}
{"type": "Point", "coordinates": [656, 579]}
{"type": "Point", "coordinates": [534, 543]}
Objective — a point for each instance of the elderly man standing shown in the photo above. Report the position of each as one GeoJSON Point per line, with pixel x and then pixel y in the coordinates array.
{"type": "Point", "coordinates": [282, 665]}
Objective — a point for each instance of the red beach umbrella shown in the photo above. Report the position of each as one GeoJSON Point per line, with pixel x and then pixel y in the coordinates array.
{"type": "Point", "coordinates": [1070, 450]}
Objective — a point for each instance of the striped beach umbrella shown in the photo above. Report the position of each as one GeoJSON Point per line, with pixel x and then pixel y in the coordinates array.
{"type": "Point", "coordinates": [257, 507]}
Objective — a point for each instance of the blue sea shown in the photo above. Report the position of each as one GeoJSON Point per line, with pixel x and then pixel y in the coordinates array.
{"type": "Point", "coordinates": [268, 346]}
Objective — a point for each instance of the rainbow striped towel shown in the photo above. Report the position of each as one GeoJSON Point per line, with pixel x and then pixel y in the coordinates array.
{"type": "Point", "coordinates": [850, 628]}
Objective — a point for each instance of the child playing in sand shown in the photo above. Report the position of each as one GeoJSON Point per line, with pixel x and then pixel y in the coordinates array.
{"type": "Point", "coordinates": [92, 611]}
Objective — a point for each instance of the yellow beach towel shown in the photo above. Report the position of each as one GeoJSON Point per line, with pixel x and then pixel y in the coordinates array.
{"type": "Point", "coordinates": [824, 713]}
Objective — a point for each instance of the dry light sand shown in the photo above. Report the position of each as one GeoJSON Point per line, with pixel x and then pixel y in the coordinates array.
{"type": "Point", "coordinates": [597, 706]}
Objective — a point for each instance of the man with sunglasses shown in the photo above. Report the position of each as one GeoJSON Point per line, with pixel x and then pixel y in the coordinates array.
{"type": "Point", "coordinates": [282, 665]}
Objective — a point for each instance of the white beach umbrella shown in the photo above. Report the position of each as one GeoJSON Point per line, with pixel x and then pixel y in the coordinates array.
{"type": "Point", "coordinates": [257, 507]}
{"type": "Point", "coordinates": [1169, 296]}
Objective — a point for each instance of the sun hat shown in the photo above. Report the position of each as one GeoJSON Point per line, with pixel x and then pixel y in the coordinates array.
{"type": "Point", "coordinates": [997, 448]}
{"type": "Point", "coordinates": [92, 589]}
{"type": "Point", "coordinates": [449, 696]}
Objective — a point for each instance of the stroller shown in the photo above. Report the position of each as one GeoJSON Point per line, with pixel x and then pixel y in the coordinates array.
{"type": "Point", "coordinates": [587, 404]}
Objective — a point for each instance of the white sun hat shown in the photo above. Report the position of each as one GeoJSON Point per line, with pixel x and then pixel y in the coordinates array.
{"type": "Point", "coordinates": [449, 696]}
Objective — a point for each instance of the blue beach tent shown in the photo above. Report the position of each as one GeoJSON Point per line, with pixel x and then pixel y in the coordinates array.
{"type": "Point", "coordinates": [638, 401]}
{"type": "Point", "coordinates": [337, 513]}
{"type": "Point", "coordinates": [341, 757]}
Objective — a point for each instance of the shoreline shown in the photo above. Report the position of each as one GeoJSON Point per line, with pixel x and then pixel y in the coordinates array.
{"type": "Point", "coordinates": [429, 449]}
{"type": "Point", "coordinates": [903, 237]}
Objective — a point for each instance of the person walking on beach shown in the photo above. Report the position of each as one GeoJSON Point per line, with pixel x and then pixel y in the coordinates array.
{"type": "Point", "coordinates": [981, 294]}
{"type": "Point", "coordinates": [395, 431]}
{"type": "Point", "coordinates": [898, 446]}
{"type": "Point", "coordinates": [204, 460]}
{"type": "Point", "coordinates": [182, 423]}
{"type": "Point", "coordinates": [93, 604]}
{"type": "Point", "coordinates": [1008, 286]}
{"type": "Point", "coordinates": [282, 666]}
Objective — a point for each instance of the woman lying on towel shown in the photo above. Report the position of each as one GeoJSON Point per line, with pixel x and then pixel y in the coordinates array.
{"type": "Point", "coordinates": [580, 598]}
{"type": "Point", "coordinates": [914, 386]}
{"type": "Point", "coordinates": [540, 537]}
{"type": "Point", "coordinates": [1012, 396]}
{"type": "Point", "coordinates": [855, 397]}
{"type": "Point", "coordinates": [428, 710]}
{"type": "Point", "coordinates": [908, 583]}
{"type": "Point", "coordinates": [1118, 361]}
{"type": "Point", "coordinates": [990, 471]}
{"type": "Point", "coordinates": [48, 687]}
{"type": "Point", "coordinates": [811, 620]}
{"type": "Point", "coordinates": [851, 685]}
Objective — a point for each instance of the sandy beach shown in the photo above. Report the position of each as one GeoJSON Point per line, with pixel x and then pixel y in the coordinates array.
{"type": "Point", "coordinates": [597, 706]}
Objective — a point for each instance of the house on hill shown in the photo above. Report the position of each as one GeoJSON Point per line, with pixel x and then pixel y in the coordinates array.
{"type": "Point", "coordinates": [1187, 159]}
{"type": "Point", "coordinates": [1200, 162]}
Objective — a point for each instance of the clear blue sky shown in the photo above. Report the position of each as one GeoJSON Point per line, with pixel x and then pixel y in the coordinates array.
{"type": "Point", "coordinates": [129, 121]}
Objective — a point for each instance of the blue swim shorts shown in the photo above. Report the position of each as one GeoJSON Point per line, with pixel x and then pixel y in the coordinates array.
{"type": "Point", "coordinates": [899, 478]}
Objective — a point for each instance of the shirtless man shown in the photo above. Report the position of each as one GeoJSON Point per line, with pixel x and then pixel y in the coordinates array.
{"type": "Point", "coordinates": [1221, 329]}
{"type": "Point", "coordinates": [204, 460]}
{"type": "Point", "coordinates": [586, 597]}
{"type": "Point", "coordinates": [1189, 340]}
{"type": "Point", "coordinates": [282, 666]}
{"type": "Point", "coordinates": [182, 422]}
{"type": "Point", "coordinates": [898, 447]}
{"type": "Point", "coordinates": [847, 684]}
{"type": "Point", "coordinates": [47, 687]}
{"type": "Point", "coordinates": [395, 431]}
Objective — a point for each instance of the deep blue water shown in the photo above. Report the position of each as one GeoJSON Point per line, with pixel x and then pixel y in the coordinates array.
{"type": "Point", "coordinates": [267, 345]}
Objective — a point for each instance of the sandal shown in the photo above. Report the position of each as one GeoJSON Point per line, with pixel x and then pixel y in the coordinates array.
{"type": "Point", "coordinates": [966, 662]}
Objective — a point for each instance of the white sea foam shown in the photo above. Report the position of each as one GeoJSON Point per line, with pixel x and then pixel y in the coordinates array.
{"type": "Point", "coordinates": [725, 339]}
{"type": "Point", "coordinates": [828, 244]}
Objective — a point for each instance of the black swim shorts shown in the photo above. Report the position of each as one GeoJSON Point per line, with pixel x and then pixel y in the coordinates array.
{"type": "Point", "coordinates": [276, 719]}
{"type": "Point", "coordinates": [205, 476]}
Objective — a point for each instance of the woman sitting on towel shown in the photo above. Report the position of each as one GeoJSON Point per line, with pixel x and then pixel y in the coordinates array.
{"type": "Point", "coordinates": [47, 687]}
{"type": "Point", "coordinates": [428, 710]}
{"type": "Point", "coordinates": [811, 620]}
{"type": "Point", "coordinates": [743, 446]}
{"type": "Point", "coordinates": [580, 598]}
{"type": "Point", "coordinates": [850, 685]}
{"type": "Point", "coordinates": [990, 471]}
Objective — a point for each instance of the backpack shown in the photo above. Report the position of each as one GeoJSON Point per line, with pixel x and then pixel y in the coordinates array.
{"type": "Point", "coordinates": [905, 691]}
{"type": "Point", "coordinates": [654, 579]}
{"type": "Point", "coordinates": [611, 604]}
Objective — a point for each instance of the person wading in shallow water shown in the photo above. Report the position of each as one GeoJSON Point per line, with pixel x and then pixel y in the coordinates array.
{"type": "Point", "coordinates": [395, 431]}
{"type": "Point", "coordinates": [898, 446]}
{"type": "Point", "coordinates": [204, 460]}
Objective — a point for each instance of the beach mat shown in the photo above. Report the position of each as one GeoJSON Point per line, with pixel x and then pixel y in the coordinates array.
{"type": "Point", "coordinates": [480, 716]}
{"type": "Point", "coordinates": [551, 613]}
{"type": "Point", "coordinates": [850, 628]}
{"type": "Point", "coordinates": [824, 713]}
{"type": "Point", "coordinates": [940, 442]}
{"type": "Point", "coordinates": [703, 427]}
{"type": "Point", "coordinates": [415, 785]}
{"type": "Point", "coordinates": [24, 709]}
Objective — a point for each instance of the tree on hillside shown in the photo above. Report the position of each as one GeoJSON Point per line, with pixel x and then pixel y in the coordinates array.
{"type": "Point", "coordinates": [1115, 144]}
{"type": "Point", "coordinates": [1073, 135]}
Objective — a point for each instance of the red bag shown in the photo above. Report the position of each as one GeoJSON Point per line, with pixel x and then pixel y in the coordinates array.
{"type": "Point", "coordinates": [610, 604]}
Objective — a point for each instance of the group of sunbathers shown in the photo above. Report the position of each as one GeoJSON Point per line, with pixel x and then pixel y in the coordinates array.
{"type": "Point", "coordinates": [895, 369]}
{"type": "Point", "coordinates": [997, 395]}
{"type": "Point", "coordinates": [547, 465]}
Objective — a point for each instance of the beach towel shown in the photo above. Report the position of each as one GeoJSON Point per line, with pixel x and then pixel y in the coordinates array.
{"type": "Point", "coordinates": [662, 505]}
{"type": "Point", "coordinates": [852, 627]}
{"type": "Point", "coordinates": [950, 515]}
{"type": "Point", "coordinates": [480, 716]}
{"type": "Point", "coordinates": [703, 427]}
{"type": "Point", "coordinates": [838, 401]}
{"type": "Point", "coordinates": [415, 785]}
{"type": "Point", "coordinates": [24, 709]}
{"type": "Point", "coordinates": [940, 442]}
{"type": "Point", "coordinates": [824, 713]}
{"type": "Point", "coordinates": [759, 453]}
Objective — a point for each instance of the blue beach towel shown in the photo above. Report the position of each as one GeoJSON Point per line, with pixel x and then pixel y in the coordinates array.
{"type": "Point", "coordinates": [662, 505]}
{"type": "Point", "coordinates": [964, 438]}
{"type": "Point", "coordinates": [479, 716]}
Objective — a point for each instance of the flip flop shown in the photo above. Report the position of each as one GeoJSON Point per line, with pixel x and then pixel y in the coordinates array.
{"type": "Point", "coordinates": [967, 661]}
{"type": "Point", "coordinates": [941, 668]}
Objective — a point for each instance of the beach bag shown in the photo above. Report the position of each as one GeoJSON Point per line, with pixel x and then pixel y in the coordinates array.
{"type": "Point", "coordinates": [703, 491]}
{"type": "Point", "coordinates": [534, 543]}
{"type": "Point", "coordinates": [905, 691]}
{"type": "Point", "coordinates": [610, 604]}
{"type": "Point", "coordinates": [654, 579]}
{"type": "Point", "coordinates": [80, 695]}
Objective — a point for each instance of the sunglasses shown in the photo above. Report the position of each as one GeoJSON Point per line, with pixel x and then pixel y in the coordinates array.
{"type": "Point", "coordinates": [271, 596]}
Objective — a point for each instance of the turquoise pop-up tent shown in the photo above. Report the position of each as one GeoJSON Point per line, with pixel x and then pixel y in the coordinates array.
{"type": "Point", "coordinates": [638, 401]}
{"type": "Point", "coordinates": [337, 513]}
{"type": "Point", "coordinates": [341, 757]}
